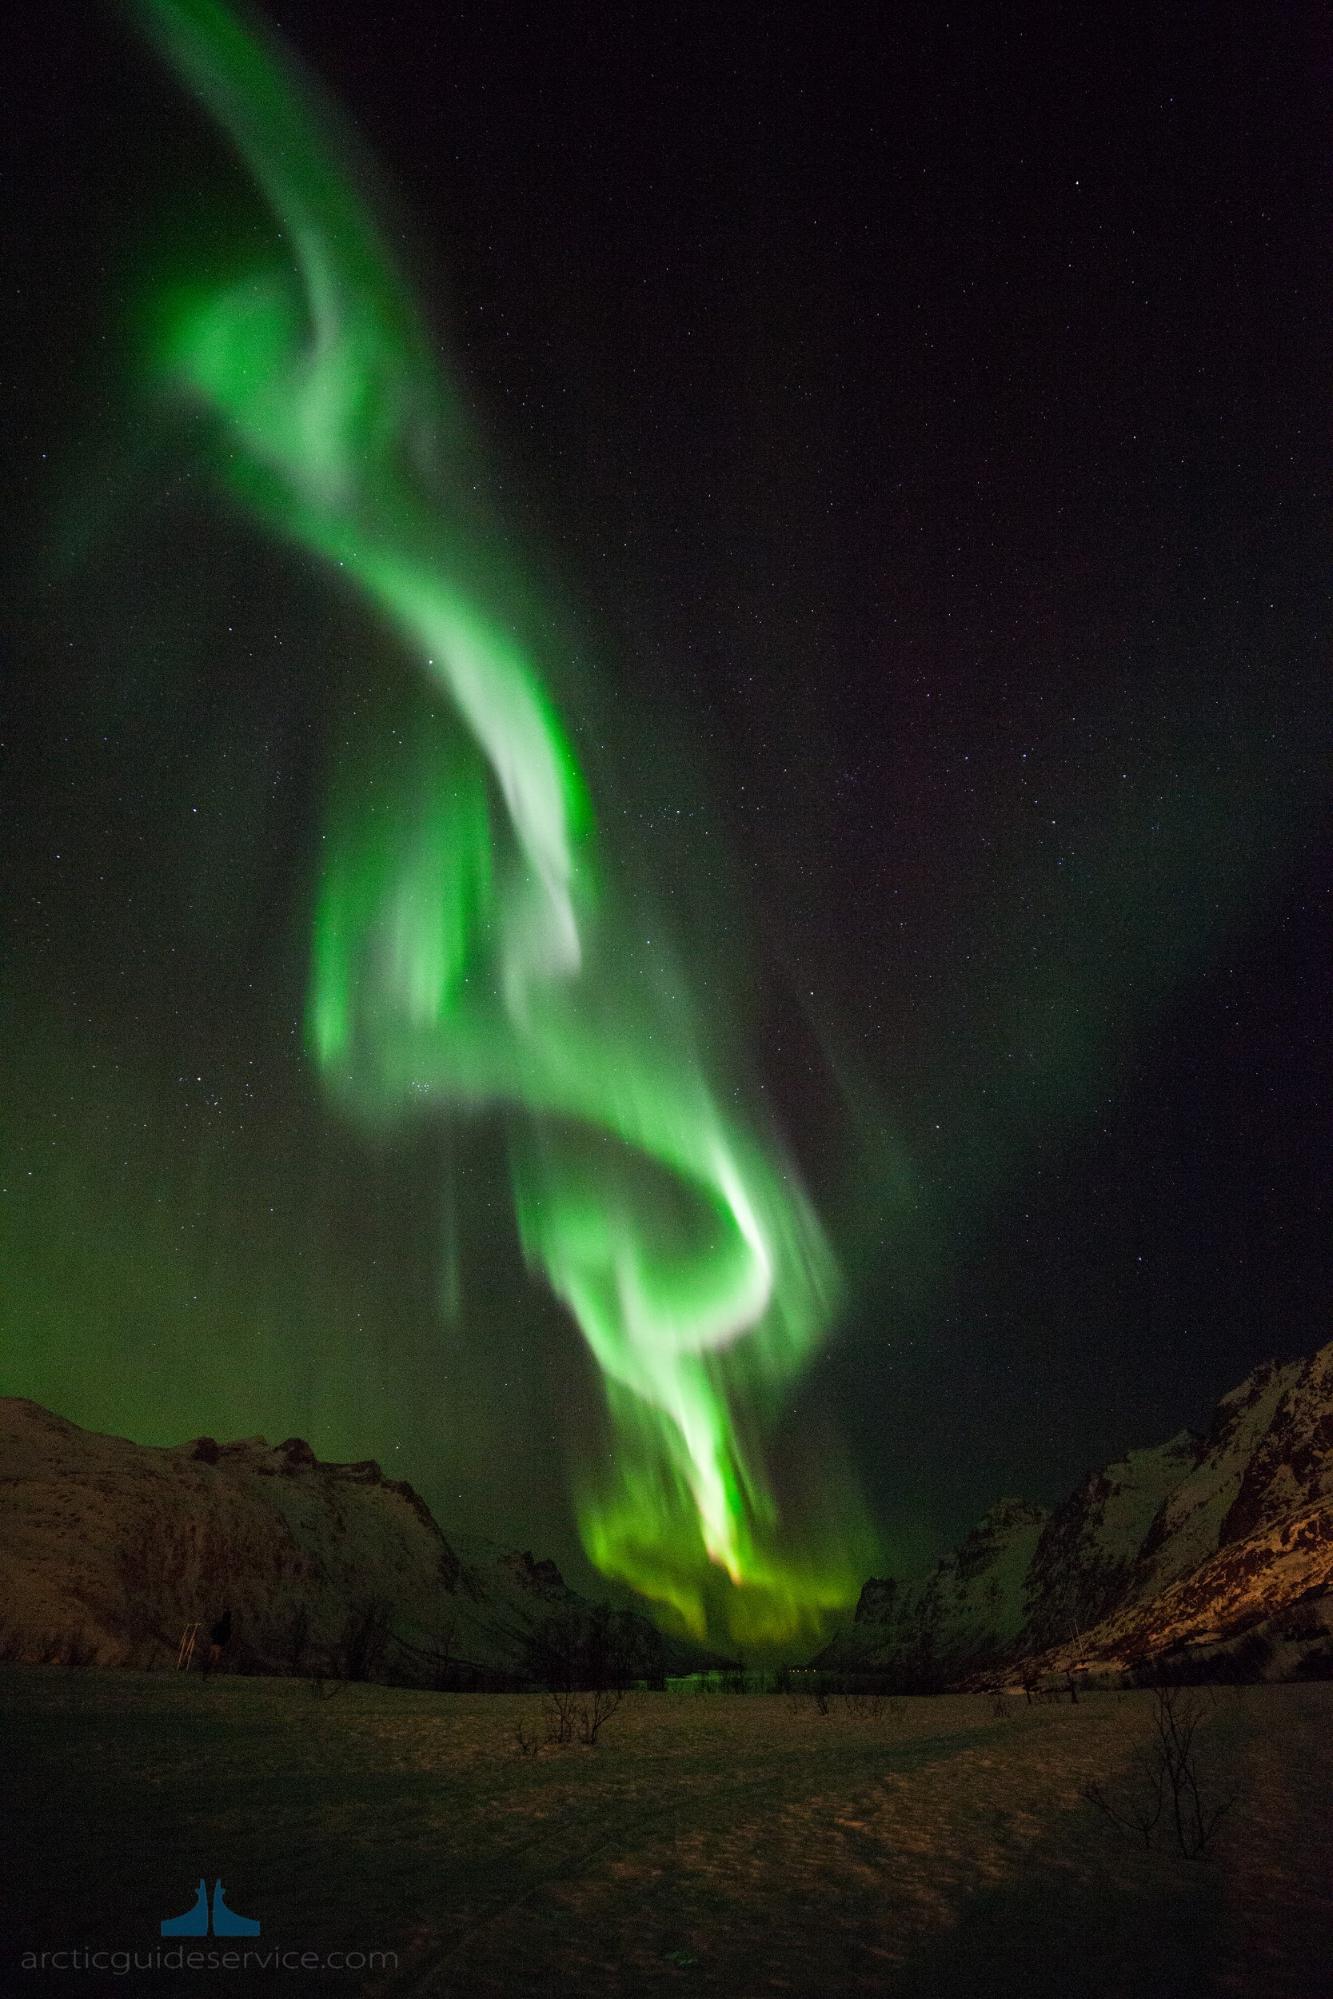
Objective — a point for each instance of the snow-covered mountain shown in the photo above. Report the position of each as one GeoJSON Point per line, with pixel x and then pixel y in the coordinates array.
{"type": "Point", "coordinates": [110, 1550]}
{"type": "Point", "coordinates": [968, 1605]}
{"type": "Point", "coordinates": [1195, 1545]}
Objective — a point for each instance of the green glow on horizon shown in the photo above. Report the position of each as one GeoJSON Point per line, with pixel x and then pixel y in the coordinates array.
{"type": "Point", "coordinates": [471, 947]}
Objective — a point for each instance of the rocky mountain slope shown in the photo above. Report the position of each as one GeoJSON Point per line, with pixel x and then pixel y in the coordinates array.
{"type": "Point", "coordinates": [1191, 1548]}
{"type": "Point", "coordinates": [110, 1550]}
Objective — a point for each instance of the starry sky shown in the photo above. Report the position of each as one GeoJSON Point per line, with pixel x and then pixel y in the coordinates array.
{"type": "Point", "coordinates": [920, 413]}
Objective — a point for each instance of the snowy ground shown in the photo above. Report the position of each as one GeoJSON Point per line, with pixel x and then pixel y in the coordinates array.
{"type": "Point", "coordinates": [713, 1845]}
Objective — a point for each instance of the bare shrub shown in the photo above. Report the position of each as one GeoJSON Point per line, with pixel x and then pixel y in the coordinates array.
{"type": "Point", "coordinates": [864, 1706]}
{"type": "Point", "coordinates": [596, 1711]}
{"type": "Point", "coordinates": [578, 1650]}
{"type": "Point", "coordinates": [571, 1716]}
{"type": "Point", "coordinates": [323, 1685]}
{"type": "Point", "coordinates": [1167, 1792]}
{"type": "Point", "coordinates": [560, 1716]}
{"type": "Point", "coordinates": [527, 1745]}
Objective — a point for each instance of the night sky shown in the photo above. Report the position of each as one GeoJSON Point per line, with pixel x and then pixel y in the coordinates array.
{"type": "Point", "coordinates": [920, 414]}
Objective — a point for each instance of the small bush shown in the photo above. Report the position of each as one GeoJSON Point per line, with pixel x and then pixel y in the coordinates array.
{"type": "Point", "coordinates": [1167, 1794]}
{"type": "Point", "coordinates": [863, 1706]}
{"type": "Point", "coordinates": [596, 1710]}
{"type": "Point", "coordinates": [581, 1717]}
{"type": "Point", "coordinates": [323, 1685]}
{"type": "Point", "coordinates": [527, 1745]}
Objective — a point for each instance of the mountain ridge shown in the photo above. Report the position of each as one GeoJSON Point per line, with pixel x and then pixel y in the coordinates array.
{"type": "Point", "coordinates": [1189, 1547]}
{"type": "Point", "coordinates": [111, 1550]}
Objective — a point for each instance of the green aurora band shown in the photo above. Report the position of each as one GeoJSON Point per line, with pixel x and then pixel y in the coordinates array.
{"type": "Point", "coordinates": [472, 951]}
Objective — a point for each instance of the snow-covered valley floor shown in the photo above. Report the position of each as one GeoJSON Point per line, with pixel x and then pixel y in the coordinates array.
{"type": "Point", "coordinates": [737, 1845]}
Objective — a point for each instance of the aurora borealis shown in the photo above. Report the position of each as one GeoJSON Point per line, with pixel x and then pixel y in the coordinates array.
{"type": "Point", "coordinates": [495, 789]}
{"type": "Point", "coordinates": [470, 950]}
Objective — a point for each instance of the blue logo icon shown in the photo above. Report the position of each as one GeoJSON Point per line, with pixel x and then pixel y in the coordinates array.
{"type": "Point", "coordinates": [194, 1923]}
